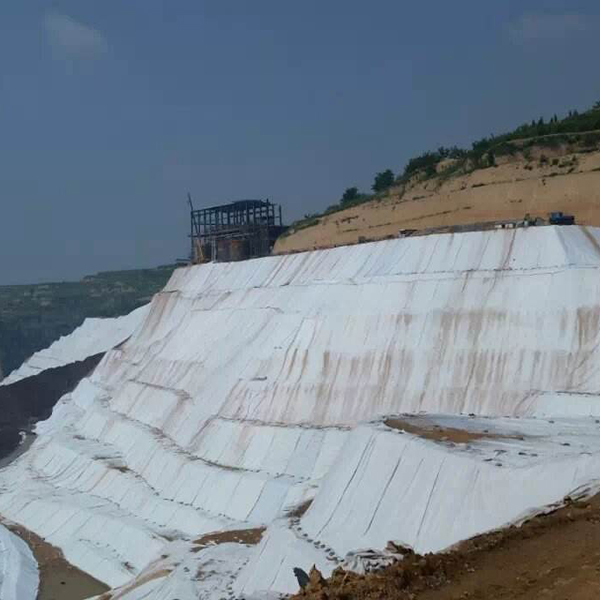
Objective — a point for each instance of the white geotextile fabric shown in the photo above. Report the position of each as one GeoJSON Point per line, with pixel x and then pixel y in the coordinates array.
{"type": "Point", "coordinates": [252, 387]}
{"type": "Point", "coordinates": [390, 485]}
{"type": "Point", "coordinates": [367, 560]}
{"type": "Point", "coordinates": [93, 337]}
{"type": "Point", "coordinates": [19, 576]}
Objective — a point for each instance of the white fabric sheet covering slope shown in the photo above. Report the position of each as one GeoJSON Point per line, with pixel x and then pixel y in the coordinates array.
{"type": "Point", "coordinates": [239, 397]}
{"type": "Point", "coordinates": [389, 485]}
{"type": "Point", "coordinates": [382, 477]}
{"type": "Point", "coordinates": [92, 337]}
{"type": "Point", "coordinates": [19, 575]}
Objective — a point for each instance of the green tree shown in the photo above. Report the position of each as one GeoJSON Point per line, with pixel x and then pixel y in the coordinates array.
{"type": "Point", "coordinates": [350, 194]}
{"type": "Point", "coordinates": [383, 180]}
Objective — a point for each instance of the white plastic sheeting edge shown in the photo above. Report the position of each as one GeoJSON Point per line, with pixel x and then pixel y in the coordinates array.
{"type": "Point", "coordinates": [93, 337]}
{"type": "Point", "coordinates": [19, 576]}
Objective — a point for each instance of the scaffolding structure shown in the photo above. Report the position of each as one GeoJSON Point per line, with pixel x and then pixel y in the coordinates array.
{"type": "Point", "coordinates": [236, 231]}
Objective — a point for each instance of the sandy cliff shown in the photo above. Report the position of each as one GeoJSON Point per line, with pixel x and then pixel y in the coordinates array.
{"type": "Point", "coordinates": [561, 179]}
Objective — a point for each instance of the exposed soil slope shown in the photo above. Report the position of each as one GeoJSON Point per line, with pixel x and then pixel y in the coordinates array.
{"type": "Point", "coordinates": [554, 557]}
{"type": "Point", "coordinates": [546, 181]}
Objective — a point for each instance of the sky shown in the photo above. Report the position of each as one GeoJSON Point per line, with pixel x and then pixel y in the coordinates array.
{"type": "Point", "coordinates": [112, 111]}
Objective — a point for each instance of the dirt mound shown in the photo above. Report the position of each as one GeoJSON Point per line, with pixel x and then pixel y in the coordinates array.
{"type": "Point", "coordinates": [554, 556]}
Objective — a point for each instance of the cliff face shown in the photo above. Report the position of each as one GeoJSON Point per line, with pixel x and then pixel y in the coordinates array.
{"type": "Point", "coordinates": [545, 180]}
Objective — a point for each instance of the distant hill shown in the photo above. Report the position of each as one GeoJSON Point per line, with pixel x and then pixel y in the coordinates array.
{"type": "Point", "coordinates": [538, 168]}
{"type": "Point", "coordinates": [33, 316]}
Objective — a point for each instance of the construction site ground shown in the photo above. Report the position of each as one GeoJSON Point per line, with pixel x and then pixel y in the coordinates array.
{"type": "Point", "coordinates": [550, 557]}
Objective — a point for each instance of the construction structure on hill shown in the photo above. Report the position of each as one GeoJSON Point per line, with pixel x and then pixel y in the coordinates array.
{"type": "Point", "coordinates": [236, 231]}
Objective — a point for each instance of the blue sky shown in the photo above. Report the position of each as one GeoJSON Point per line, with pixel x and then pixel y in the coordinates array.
{"type": "Point", "coordinates": [112, 110]}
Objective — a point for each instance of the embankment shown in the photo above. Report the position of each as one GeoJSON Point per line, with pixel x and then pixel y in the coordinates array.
{"type": "Point", "coordinates": [252, 388]}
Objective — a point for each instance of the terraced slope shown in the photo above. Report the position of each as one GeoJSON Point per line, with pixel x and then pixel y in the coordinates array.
{"type": "Point", "coordinates": [184, 465]}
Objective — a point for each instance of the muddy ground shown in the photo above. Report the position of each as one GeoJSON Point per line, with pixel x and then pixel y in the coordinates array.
{"type": "Point", "coordinates": [249, 537]}
{"type": "Point", "coordinates": [428, 430]}
{"type": "Point", "coordinates": [550, 557]}
{"type": "Point", "coordinates": [59, 580]}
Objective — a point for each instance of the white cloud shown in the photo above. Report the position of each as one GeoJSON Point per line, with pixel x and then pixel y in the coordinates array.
{"type": "Point", "coordinates": [538, 27]}
{"type": "Point", "coordinates": [72, 39]}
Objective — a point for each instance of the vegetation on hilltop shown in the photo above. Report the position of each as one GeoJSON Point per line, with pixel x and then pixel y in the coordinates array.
{"type": "Point", "coordinates": [541, 133]}
{"type": "Point", "coordinates": [34, 316]}
{"type": "Point", "coordinates": [383, 181]}
{"type": "Point", "coordinates": [575, 128]}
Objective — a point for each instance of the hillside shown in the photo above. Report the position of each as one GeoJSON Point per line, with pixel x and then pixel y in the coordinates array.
{"type": "Point", "coordinates": [277, 413]}
{"type": "Point", "coordinates": [502, 178]}
{"type": "Point", "coordinates": [33, 316]}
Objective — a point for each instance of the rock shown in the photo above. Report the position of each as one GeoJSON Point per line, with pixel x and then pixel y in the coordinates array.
{"type": "Point", "coordinates": [302, 577]}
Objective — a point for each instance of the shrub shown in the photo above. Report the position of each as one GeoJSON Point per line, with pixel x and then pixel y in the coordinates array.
{"type": "Point", "coordinates": [383, 181]}
{"type": "Point", "coordinates": [428, 161]}
{"type": "Point", "coordinates": [350, 195]}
